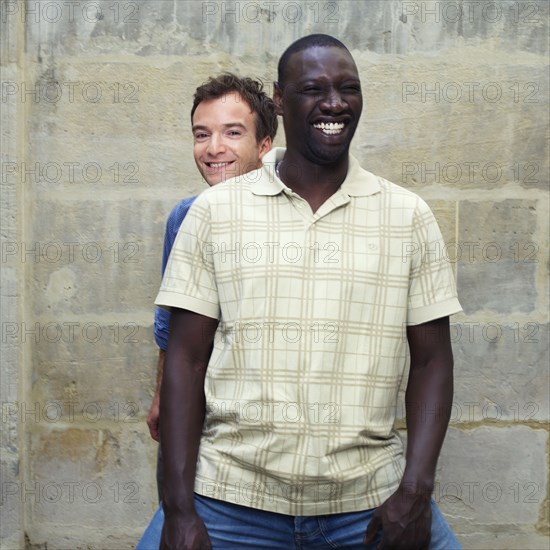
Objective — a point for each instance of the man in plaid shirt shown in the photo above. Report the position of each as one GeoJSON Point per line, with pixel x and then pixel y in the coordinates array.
{"type": "Point", "coordinates": [296, 293]}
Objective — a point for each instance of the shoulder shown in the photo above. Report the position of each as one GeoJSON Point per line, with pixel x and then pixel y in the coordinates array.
{"type": "Point", "coordinates": [398, 207]}
{"type": "Point", "coordinates": [364, 184]}
{"type": "Point", "coordinates": [399, 197]}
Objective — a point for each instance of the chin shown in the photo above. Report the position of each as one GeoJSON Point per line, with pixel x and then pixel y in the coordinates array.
{"type": "Point", "coordinates": [324, 156]}
{"type": "Point", "coordinates": [211, 179]}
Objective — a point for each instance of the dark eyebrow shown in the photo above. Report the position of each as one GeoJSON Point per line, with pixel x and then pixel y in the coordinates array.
{"type": "Point", "coordinates": [228, 125]}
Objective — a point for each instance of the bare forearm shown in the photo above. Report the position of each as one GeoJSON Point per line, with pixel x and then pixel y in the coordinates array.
{"type": "Point", "coordinates": [428, 407]}
{"type": "Point", "coordinates": [428, 402]}
{"type": "Point", "coordinates": [182, 406]}
{"type": "Point", "coordinates": [181, 419]}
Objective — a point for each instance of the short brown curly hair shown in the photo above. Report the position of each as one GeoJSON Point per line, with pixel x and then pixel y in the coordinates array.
{"type": "Point", "coordinates": [251, 90]}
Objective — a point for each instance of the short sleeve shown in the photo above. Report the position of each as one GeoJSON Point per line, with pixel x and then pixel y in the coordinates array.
{"type": "Point", "coordinates": [189, 281]}
{"type": "Point", "coordinates": [432, 287]}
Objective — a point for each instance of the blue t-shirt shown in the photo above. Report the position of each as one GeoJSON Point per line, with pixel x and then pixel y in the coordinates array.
{"type": "Point", "coordinates": [162, 316]}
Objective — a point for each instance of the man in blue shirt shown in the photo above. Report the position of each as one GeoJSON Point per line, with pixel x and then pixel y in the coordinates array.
{"type": "Point", "coordinates": [234, 124]}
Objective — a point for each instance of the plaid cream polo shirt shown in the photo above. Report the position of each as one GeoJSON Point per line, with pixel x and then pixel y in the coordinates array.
{"type": "Point", "coordinates": [302, 384]}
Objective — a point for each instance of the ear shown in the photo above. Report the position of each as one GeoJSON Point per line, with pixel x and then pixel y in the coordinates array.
{"type": "Point", "coordinates": [278, 98]}
{"type": "Point", "coordinates": [265, 146]}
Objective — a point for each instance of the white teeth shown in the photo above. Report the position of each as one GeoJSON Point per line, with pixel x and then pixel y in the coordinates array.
{"type": "Point", "coordinates": [218, 164]}
{"type": "Point", "coordinates": [330, 128]}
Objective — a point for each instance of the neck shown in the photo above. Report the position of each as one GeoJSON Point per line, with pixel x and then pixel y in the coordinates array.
{"type": "Point", "coordinates": [301, 174]}
{"type": "Point", "coordinates": [313, 182]}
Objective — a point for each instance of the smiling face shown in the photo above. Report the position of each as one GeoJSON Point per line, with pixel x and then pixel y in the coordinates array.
{"type": "Point", "coordinates": [224, 132]}
{"type": "Point", "coordinates": [321, 102]}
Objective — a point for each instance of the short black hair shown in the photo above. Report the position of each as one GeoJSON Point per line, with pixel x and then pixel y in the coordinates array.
{"type": "Point", "coordinates": [252, 92]}
{"type": "Point", "coordinates": [305, 43]}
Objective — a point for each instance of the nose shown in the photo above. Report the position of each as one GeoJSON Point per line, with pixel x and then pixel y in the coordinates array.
{"type": "Point", "coordinates": [216, 145]}
{"type": "Point", "coordinates": [332, 101]}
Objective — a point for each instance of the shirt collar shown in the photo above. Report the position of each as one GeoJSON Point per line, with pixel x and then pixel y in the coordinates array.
{"type": "Point", "coordinates": [358, 182]}
{"type": "Point", "coordinates": [270, 184]}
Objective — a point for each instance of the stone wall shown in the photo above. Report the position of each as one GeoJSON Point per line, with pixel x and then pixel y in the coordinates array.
{"type": "Point", "coordinates": [96, 149]}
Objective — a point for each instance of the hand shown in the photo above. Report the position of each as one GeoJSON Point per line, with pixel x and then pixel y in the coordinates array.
{"type": "Point", "coordinates": [184, 533]}
{"type": "Point", "coordinates": [153, 417]}
{"type": "Point", "coordinates": [406, 522]}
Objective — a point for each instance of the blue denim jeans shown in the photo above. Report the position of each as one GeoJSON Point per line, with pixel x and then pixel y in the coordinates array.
{"type": "Point", "coordinates": [234, 527]}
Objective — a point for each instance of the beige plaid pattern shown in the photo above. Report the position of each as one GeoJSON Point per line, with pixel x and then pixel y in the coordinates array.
{"type": "Point", "coordinates": [302, 383]}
